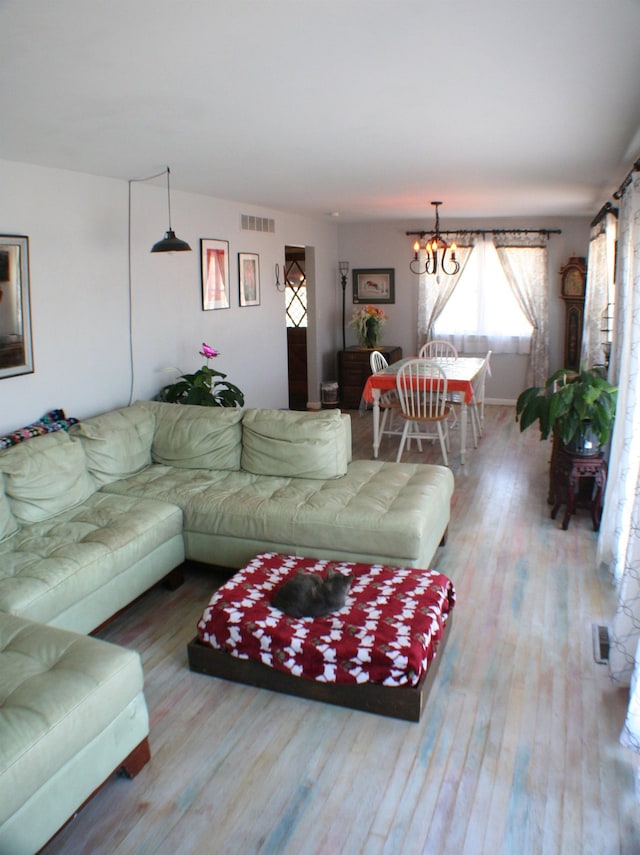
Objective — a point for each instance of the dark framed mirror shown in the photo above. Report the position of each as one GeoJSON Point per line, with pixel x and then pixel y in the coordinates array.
{"type": "Point", "coordinates": [16, 352]}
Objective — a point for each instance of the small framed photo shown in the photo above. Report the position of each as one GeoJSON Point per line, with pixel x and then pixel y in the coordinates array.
{"type": "Point", "coordinates": [214, 261]}
{"type": "Point", "coordinates": [374, 285]}
{"type": "Point", "coordinates": [249, 278]}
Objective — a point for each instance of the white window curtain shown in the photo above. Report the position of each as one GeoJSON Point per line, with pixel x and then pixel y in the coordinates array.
{"type": "Point", "coordinates": [524, 261]}
{"type": "Point", "coordinates": [619, 537]}
{"type": "Point", "coordinates": [599, 296]}
{"type": "Point", "coordinates": [434, 291]}
{"type": "Point", "coordinates": [483, 313]}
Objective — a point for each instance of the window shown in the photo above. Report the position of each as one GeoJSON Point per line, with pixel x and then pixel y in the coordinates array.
{"type": "Point", "coordinates": [296, 292]}
{"type": "Point", "coordinates": [483, 312]}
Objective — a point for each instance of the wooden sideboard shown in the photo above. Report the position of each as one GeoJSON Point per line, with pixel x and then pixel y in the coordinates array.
{"type": "Point", "coordinates": [354, 368]}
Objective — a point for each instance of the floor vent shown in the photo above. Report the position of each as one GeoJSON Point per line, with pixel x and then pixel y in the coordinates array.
{"type": "Point", "coordinates": [257, 224]}
{"type": "Point", "coordinates": [600, 643]}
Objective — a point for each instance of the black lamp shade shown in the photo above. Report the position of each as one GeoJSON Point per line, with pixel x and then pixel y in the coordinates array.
{"type": "Point", "coordinates": [171, 243]}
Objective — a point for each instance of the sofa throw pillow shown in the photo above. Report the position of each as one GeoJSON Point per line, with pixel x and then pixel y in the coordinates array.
{"type": "Point", "coordinates": [8, 523]}
{"type": "Point", "coordinates": [192, 437]}
{"type": "Point", "coordinates": [294, 444]}
{"type": "Point", "coordinates": [45, 476]}
{"type": "Point", "coordinates": [117, 444]}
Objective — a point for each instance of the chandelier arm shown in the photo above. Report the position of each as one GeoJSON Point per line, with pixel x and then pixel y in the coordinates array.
{"type": "Point", "coordinates": [456, 266]}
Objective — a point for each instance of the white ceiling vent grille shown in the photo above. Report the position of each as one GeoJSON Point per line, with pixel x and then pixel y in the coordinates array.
{"type": "Point", "coordinates": [257, 224]}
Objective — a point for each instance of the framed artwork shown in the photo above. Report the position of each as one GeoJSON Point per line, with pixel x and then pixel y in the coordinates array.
{"type": "Point", "coordinates": [374, 285]}
{"type": "Point", "coordinates": [16, 351]}
{"type": "Point", "coordinates": [249, 278]}
{"type": "Point", "coordinates": [214, 262]}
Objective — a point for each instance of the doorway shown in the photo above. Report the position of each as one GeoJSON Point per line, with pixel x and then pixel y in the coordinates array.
{"type": "Point", "coordinates": [296, 312]}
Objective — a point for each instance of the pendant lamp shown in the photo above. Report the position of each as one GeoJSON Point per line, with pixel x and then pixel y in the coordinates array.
{"type": "Point", "coordinates": [170, 243]}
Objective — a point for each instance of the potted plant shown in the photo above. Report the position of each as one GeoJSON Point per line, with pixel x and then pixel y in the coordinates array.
{"type": "Point", "coordinates": [578, 408]}
{"type": "Point", "coordinates": [202, 389]}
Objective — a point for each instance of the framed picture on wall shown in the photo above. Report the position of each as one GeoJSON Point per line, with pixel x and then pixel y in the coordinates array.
{"type": "Point", "coordinates": [374, 285]}
{"type": "Point", "coordinates": [16, 351]}
{"type": "Point", "coordinates": [249, 278]}
{"type": "Point", "coordinates": [214, 264]}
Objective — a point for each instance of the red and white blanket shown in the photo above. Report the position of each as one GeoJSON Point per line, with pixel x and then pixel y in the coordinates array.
{"type": "Point", "coordinates": [388, 631]}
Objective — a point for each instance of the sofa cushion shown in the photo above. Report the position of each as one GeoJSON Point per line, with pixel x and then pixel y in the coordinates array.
{"type": "Point", "coordinates": [45, 476]}
{"type": "Point", "coordinates": [50, 565]}
{"type": "Point", "coordinates": [378, 509]}
{"type": "Point", "coordinates": [58, 692]}
{"type": "Point", "coordinates": [294, 444]}
{"type": "Point", "coordinates": [117, 444]}
{"type": "Point", "coordinates": [8, 523]}
{"type": "Point", "coordinates": [191, 437]}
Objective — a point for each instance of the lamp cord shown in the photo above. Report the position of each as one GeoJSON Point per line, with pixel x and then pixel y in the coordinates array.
{"type": "Point", "coordinates": [169, 197]}
{"type": "Point", "coordinates": [130, 288]}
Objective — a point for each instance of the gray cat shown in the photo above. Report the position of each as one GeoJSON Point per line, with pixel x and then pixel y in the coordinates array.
{"type": "Point", "coordinates": [309, 595]}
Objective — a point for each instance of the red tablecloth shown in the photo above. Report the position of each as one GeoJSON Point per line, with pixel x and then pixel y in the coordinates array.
{"type": "Point", "coordinates": [459, 377]}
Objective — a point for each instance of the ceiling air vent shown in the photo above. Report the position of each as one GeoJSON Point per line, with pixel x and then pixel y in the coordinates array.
{"type": "Point", "coordinates": [257, 224]}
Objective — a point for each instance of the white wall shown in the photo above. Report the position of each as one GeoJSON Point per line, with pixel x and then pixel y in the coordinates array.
{"type": "Point", "coordinates": [77, 226]}
{"type": "Point", "coordinates": [387, 245]}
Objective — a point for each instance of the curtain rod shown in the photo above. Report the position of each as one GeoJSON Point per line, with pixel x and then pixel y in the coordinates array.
{"type": "Point", "coordinates": [627, 180]}
{"type": "Point", "coordinates": [607, 208]}
{"type": "Point", "coordinates": [490, 232]}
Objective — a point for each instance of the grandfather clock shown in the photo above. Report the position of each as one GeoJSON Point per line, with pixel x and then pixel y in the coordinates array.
{"type": "Point", "coordinates": [574, 282]}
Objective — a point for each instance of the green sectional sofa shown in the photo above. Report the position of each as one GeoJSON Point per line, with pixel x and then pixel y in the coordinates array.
{"type": "Point", "coordinates": [92, 517]}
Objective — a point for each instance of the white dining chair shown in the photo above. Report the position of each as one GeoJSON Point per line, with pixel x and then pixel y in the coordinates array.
{"type": "Point", "coordinates": [389, 402]}
{"type": "Point", "coordinates": [437, 349]}
{"type": "Point", "coordinates": [422, 391]}
{"type": "Point", "coordinates": [443, 351]}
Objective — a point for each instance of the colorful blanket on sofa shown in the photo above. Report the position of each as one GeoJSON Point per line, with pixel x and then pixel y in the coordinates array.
{"type": "Point", "coordinates": [388, 631]}
{"type": "Point", "coordinates": [50, 422]}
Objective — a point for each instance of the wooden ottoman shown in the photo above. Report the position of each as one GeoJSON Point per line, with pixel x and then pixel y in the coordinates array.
{"type": "Point", "coordinates": [379, 653]}
{"type": "Point", "coordinates": [72, 711]}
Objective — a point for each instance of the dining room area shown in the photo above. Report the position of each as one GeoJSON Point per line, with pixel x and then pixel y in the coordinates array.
{"type": "Point", "coordinates": [427, 406]}
{"type": "Point", "coordinates": [432, 397]}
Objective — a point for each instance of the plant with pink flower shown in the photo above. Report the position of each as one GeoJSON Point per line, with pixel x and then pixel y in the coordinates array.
{"type": "Point", "coordinates": [202, 388]}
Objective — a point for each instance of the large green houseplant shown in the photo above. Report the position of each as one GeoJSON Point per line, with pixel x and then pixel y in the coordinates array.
{"type": "Point", "coordinates": [577, 407]}
{"type": "Point", "coordinates": [203, 388]}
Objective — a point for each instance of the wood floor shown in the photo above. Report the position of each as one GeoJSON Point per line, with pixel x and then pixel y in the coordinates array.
{"type": "Point", "coordinates": [517, 751]}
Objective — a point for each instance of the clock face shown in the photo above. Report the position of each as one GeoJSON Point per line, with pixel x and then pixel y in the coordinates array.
{"type": "Point", "coordinates": [573, 283]}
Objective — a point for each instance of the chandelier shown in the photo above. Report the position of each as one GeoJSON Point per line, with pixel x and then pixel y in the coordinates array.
{"type": "Point", "coordinates": [438, 254]}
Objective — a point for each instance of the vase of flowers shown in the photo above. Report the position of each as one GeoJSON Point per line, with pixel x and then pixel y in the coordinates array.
{"type": "Point", "coordinates": [205, 388]}
{"type": "Point", "coordinates": [368, 321]}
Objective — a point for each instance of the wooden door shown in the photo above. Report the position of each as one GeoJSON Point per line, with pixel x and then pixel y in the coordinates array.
{"type": "Point", "coordinates": [296, 313]}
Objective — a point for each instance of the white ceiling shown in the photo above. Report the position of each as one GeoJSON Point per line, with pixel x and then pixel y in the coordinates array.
{"type": "Point", "coordinates": [365, 108]}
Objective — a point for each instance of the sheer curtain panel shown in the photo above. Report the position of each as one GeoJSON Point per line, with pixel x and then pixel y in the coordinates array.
{"type": "Point", "coordinates": [434, 291]}
{"type": "Point", "coordinates": [524, 262]}
{"type": "Point", "coordinates": [600, 272]}
{"type": "Point", "coordinates": [619, 538]}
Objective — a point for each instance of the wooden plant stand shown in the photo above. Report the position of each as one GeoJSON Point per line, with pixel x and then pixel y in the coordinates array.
{"type": "Point", "coordinates": [567, 471]}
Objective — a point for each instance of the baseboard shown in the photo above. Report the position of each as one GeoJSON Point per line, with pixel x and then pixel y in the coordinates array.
{"type": "Point", "coordinates": [502, 402]}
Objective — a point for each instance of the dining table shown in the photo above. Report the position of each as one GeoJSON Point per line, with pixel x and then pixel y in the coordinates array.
{"type": "Point", "coordinates": [460, 373]}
